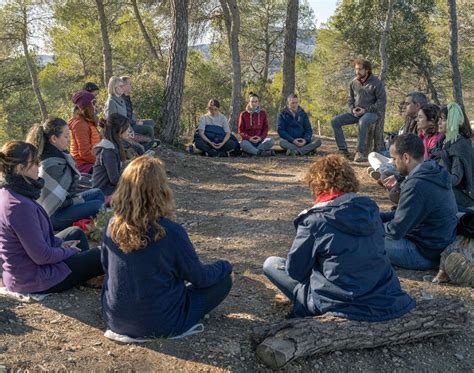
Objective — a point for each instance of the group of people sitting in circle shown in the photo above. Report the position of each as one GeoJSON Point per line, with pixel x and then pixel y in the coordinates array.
{"type": "Point", "coordinates": [214, 137]}
{"type": "Point", "coordinates": [341, 258]}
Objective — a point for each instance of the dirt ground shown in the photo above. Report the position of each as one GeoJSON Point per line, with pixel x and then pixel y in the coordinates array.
{"type": "Point", "coordinates": [242, 210]}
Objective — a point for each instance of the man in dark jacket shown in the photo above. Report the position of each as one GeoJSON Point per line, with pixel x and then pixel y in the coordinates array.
{"type": "Point", "coordinates": [294, 129]}
{"type": "Point", "coordinates": [424, 223]}
{"type": "Point", "coordinates": [367, 100]}
{"type": "Point", "coordinates": [413, 102]}
{"type": "Point", "coordinates": [337, 262]}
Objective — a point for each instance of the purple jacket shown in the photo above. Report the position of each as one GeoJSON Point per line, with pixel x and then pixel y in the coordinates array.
{"type": "Point", "coordinates": [32, 256]}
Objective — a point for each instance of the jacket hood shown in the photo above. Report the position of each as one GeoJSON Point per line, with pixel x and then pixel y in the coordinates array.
{"type": "Point", "coordinates": [431, 172]}
{"type": "Point", "coordinates": [354, 215]}
{"type": "Point", "coordinates": [105, 144]}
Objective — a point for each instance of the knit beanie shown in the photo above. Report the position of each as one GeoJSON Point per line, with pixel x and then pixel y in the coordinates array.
{"type": "Point", "coordinates": [82, 99]}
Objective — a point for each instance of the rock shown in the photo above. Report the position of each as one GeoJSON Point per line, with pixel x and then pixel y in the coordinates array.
{"type": "Point", "coordinates": [459, 356]}
{"type": "Point", "coordinates": [202, 340]}
{"type": "Point", "coordinates": [338, 353]}
{"type": "Point", "coordinates": [98, 343]}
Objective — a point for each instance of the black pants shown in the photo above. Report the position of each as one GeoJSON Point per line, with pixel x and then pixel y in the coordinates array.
{"type": "Point", "coordinates": [84, 265]}
{"type": "Point", "coordinates": [212, 295]}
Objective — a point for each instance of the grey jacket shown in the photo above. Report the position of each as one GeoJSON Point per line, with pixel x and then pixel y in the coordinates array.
{"type": "Point", "coordinates": [115, 104]}
{"type": "Point", "coordinates": [369, 96]}
{"type": "Point", "coordinates": [107, 168]}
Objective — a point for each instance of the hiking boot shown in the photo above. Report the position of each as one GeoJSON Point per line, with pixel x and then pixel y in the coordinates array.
{"type": "Point", "coordinates": [291, 153]}
{"type": "Point", "coordinates": [359, 157]}
{"type": "Point", "coordinates": [373, 174]}
{"type": "Point", "coordinates": [267, 153]}
{"type": "Point", "coordinates": [345, 153]}
{"type": "Point", "coordinates": [459, 269]}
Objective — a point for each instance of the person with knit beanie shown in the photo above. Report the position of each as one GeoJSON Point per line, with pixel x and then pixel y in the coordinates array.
{"type": "Point", "coordinates": [253, 129]}
{"type": "Point", "coordinates": [84, 132]}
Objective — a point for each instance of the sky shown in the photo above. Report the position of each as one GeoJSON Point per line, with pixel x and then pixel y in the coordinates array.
{"type": "Point", "coordinates": [323, 9]}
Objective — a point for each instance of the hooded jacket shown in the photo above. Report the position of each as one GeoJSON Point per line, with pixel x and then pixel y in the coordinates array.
{"type": "Point", "coordinates": [338, 257]}
{"type": "Point", "coordinates": [107, 168]}
{"type": "Point", "coordinates": [426, 213]}
{"type": "Point", "coordinates": [253, 124]}
{"type": "Point", "coordinates": [115, 104]}
{"type": "Point", "coordinates": [458, 158]}
{"type": "Point", "coordinates": [294, 127]}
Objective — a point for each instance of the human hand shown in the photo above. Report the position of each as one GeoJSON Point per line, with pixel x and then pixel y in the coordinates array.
{"type": "Point", "coordinates": [219, 145]}
{"type": "Point", "coordinates": [254, 139]}
{"type": "Point", "coordinates": [140, 122]}
{"type": "Point", "coordinates": [389, 182]}
{"type": "Point", "coordinates": [362, 111]}
{"type": "Point", "coordinates": [77, 200]}
{"type": "Point", "coordinates": [299, 142]}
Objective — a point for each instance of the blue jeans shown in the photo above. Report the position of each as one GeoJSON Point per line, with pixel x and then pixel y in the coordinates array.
{"type": "Point", "coordinates": [344, 119]}
{"type": "Point", "coordinates": [274, 269]}
{"type": "Point", "coordinates": [403, 253]}
{"type": "Point", "coordinates": [255, 149]}
{"type": "Point", "coordinates": [93, 201]}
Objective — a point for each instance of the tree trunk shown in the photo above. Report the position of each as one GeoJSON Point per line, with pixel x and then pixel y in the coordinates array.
{"type": "Point", "coordinates": [174, 86]}
{"type": "Point", "coordinates": [231, 13]}
{"type": "Point", "coordinates": [295, 338]}
{"type": "Point", "coordinates": [453, 53]}
{"type": "Point", "coordinates": [149, 43]}
{"type": "Point", "coordinates": [384, 41]}
{"type": "Point", "coordinates": [34, 79]}
{"type": "Point", "coordinates": [289, 50]}
{"type": "Point", "coordinates": [106, 48]}
{"type": "Point", "coordinates": [431, 88]}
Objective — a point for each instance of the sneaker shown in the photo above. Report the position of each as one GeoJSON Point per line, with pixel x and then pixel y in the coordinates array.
{"type": "Point", "coordinates": [156, 143]}
{"type": "Point", "coordinates": [291, 153]}
{"type": "Point", "coordinates": [359, 157]}
{"type": "Point", "coordinates": [345, 153]}
{"type": "Point", "coordinates": [149, 153]}
{"type": "Point", "coordinates": [459, 269]}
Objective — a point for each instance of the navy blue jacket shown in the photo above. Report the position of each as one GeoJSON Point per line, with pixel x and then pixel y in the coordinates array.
{"type": "Point", "coordinates": [294, 127]}
{"type": "Point", "coordinates": [338, 257]}
{"type": "Point", "coordinates": [426, 213]}
{"type": "Point", "coordinates": [144, 292]}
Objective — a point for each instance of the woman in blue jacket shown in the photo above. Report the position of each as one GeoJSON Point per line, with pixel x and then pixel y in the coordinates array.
{"type": "Point", "coordinates": [148, 259]}
{"type": "Point", "coordinates": [337, 262]}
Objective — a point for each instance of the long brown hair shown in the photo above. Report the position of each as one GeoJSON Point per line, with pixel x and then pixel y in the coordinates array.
{"type": "Point", "coordinates": [114, 126]}
{"type": "Point", "coordinates": [144, 182]}
{"type": "Point", "coordinates": [88, 113]}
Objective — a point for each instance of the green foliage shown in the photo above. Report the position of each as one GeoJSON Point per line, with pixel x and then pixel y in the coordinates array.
{"type": "Point", "coordinates": [95, 231]}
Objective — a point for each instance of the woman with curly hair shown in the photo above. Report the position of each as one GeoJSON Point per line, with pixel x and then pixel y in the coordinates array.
{"type": "Point", "coordinates": [148, 258]}
{"type": "Point", "coordinates": [337, 262]}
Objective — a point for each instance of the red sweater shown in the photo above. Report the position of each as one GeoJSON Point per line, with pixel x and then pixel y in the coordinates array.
{"type": "Point", "coordinates": [255, 124]}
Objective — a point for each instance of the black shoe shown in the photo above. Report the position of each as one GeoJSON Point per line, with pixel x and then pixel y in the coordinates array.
{"type": "Point", "coordinates": [345, 153]}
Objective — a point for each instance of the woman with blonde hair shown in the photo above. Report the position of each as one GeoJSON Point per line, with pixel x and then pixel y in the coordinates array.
{"type": "Point", "coordinates": [337, 262]}
{"type": "Point", "coordinates": [148, 258]}
{"type": "Point", "coordinates": [115, 102]}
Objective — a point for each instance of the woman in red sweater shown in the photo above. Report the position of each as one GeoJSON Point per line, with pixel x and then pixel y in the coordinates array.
{"type": "Point", "coordinates": [253, 129]}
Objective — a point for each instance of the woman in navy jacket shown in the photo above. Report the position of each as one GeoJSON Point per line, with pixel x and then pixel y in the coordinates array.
{"type": "Point", "coordinates": [148, 259]}
{"type": "Point", "coordinates": [337, 262]}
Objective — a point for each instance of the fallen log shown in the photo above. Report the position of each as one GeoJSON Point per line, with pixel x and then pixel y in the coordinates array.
{"type": "Point", "coordinates": [294, 338]}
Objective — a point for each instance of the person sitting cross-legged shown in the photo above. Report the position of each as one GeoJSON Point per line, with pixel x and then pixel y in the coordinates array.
{"type": "Point", "coordinates": [424, 223]}
{"type": "Point", "coordinates": [253, 129]}
{"type": "Point", "coordinates": [337, 262]}
{"type": "Point", "coordinates": [155, 285]}
{"type": "Point", "coordinates": [295, 129]}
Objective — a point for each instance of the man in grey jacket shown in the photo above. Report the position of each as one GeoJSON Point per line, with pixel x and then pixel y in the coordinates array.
{"type": "Point", "coordinates": [367, 100]}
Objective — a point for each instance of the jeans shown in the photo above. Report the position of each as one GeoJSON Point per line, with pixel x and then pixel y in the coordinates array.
{"type": "Point", "coordinates": [211, 296]}
{"type": "Point", "coordinates": [274, 269]}
{"type": "Point", "coordinates": [256, 149]}
{"type": "Point", "coordinates": [309, 147]}
{"type": "Point", "coordinates": [344, 119]}
{"type": "Point", "coordinates": [403, 253]}
{"type": "Point", "coordinates": [93, 201]}
{"type": "Point", "coordinates": [84, 265]}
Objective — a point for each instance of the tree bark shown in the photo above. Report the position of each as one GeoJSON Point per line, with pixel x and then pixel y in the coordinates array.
{"type": "Point", "coordinates": [34, 79]}
{"type": "Point", "coordinates": [453, 53]}
{"type": "Point", "coordinates": [384, 41]}
{"type": "Point", "coordinates": [231, 13]}
{"type": "Point", "coordinates": [174, 86]}
{"type": "Point", "coordinates": [106, 48]}
{"type": "Point", "coordinates": [295, 338]}
{"type": "Point", "coordinates": [149, 43]}
{"type": "Point", "coordinates": [289, 50]}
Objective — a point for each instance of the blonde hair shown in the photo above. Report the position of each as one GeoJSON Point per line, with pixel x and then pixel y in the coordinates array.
{"type": "Point", "coordinates": [114, 82]}
{"type": "Point", "coordinates": [331, 173]}
{"type": "Point", "coordinates": [143, 196]}
{"type": "Point", "coordinates": [126, 79]}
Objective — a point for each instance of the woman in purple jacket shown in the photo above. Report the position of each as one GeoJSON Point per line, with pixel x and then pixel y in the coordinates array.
{"type": "Point", "coordinates": [34, 260]}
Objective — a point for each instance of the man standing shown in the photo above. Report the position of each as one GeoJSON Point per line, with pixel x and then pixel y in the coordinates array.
{"type": "Point", "coordinates": [294, 129]}
{"type": "Point", "coordinates": [424, 223]}
{"type": "Point", "coordinates": [367, 100]}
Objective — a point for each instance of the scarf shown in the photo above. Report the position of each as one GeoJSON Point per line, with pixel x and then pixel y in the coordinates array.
{"type": "Point", "coordinates": [250, 111]}
{"type": "Point", "coordinates": [327, 196]}
{"type": "Point", "coordinates": [363, 80]}
{"type": "Point", "coordinates": [23, 185]}
{"type": "Point", "coordinates": [455, 121]}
